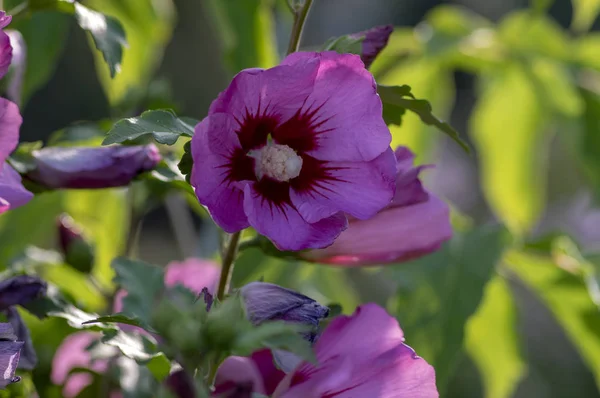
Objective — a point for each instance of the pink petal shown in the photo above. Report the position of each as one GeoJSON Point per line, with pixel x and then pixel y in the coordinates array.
{"type": "Point", "coordinates": [350, 123]}
{"type": "Point", "coordinates": [12, 192]}
{"type": "Point", "coordinates": [72, 354]}
{"type": "Point", "coordinates": [271, 376]}
{"type": "Point", "coordinates": [394, 235]}
{"type": "Point", "coordinates": [360, 189]}
{"type": "Point", "coordinates": [238, 370]}
{"type": "Point", "coordinates": [193, 273]}
{"type": "Point", "coordinates": [285, 227]}
{"type": "Point", "coordinates": [362, 356]}
{"type": "Point", "coordinates": [213, 144]}
{"type": "Point", "coordinates": [409, 189]}
{"type": "Point", "coordinates": [6, 53]}
{"type": "Point", "coordinates": [10, 123]}
{"type": "Point", "coordinates": [279, 91]}
{"type": "Point", "coordinates": [5, 19]}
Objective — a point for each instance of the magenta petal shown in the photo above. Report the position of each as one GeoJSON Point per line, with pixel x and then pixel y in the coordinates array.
{"type": "Point", "coordinates": [6, 53]}
{"type": "Point", "coordinates": [396, 234]}
{"type": "Point", "coordinates": [409, 189]}
{"type": "Point", "coordinates": [10, 123]}
{"type": "Point", "coordinates": [349, 111]}
{"type": "Point", "coordinates": [213, 144]}
{"type": "Point", "coordinates": [238, 371]}
{"type": "Point", "coordinates": [193, 273]}
{"type": "Point", "coordinates": [271, 376]}
{"type": "Point", "coordinates": [12, 192]}
{"type": "Point", "coordinates": [285, 227]}
{"type": "Point", "coordinates": [5, 19]}
{"type": "Point", "coordinates": [279, 91]}
{"type": "Point", "coordinates": [362, 356]}
{"type": "Point", "coordinates": [360, 189]}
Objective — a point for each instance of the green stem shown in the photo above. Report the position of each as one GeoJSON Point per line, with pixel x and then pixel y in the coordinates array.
{"type": "Point", "coordinates": [298, 27]}
{"type": "Point", "coordinates": [229, 254]}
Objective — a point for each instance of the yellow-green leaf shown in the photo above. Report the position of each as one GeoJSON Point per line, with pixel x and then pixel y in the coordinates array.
{"type": "Point", "coordinates": [506, 127]}
{"type": "Point", "coordinates": [584, 14]}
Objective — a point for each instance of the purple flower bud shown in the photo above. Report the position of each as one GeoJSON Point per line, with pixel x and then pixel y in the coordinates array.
{"type": "Point", "coordinates": [92, 167]}
{"type": "Point", "coordinates": [269, 302]}
{"type": "Point", "coordinates": [20, 290]}
{"type": "Point", "coordinates": [10, 351]}
{"type": "Point", "coordinates": [78, 252]}
{"type": "Point", "coordinates": [375, 40]}
{"type": "Point", "coordinates": [28, 356]}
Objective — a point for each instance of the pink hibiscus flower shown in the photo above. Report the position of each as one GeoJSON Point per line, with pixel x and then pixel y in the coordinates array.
{"type": "Point", "coordinates": [292, 149]}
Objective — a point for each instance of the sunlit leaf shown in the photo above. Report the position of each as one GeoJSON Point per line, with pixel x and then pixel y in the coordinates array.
{"type": "Point", "coordinates": [133, 345]}
{"type": "Point", "coordinates": [148, 25]}
{"type": "Point", "coordinates": [107, 33]}
{"type": "Point", "coordinates": [585, 13]}
{"type": "Point", "coordinates": [506, 127]}
{"type": "Point", "coordinates": [115, 318]}
{"type": "Point", "coordinates": [344, 44]}
{"type": "Point", "coordinates": [164, 126]}
{"type": "Point", "coordinates": [493, 343]}
{"type": "Point", "coordinates": [438, 293]}
{"type": "Point", "coordinates": [246, 29]}
{"type": "Point", "coordinates": [567, 297]}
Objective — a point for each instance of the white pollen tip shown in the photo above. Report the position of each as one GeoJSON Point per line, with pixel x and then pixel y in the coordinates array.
{"type": "Point", "coordinates": [279, 162]}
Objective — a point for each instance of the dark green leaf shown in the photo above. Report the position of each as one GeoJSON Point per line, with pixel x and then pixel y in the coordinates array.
{"type": "Point", "coordinates": [163, 125]}
{"type": "Point", "coordinates": [107, 32]}
{"type": "Point", "coordinates": [439, 293]}
{"type": "Point", "coordinates": [187, 162]}
{"type": "Point", "coordinates": [400, 97]}
{"type": "Point", "coordinates": [344, 44]}
{"type": "Point", "coordinates": [45, 34]}
{"type": "Point", "coordinates": [115, 318]}
{"type": "Point", "coordinates": [143, 283]}
{"type": "Point", "coordinates": [589, 140]}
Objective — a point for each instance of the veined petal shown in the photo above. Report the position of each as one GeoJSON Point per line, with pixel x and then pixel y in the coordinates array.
{"type": "Point", "coordinates": [215, 175]}
{"type": "Point", "coordinates": [282, 223]}
{"type": "Point", "coordinates": [360, 189]}
{"type": "Point", "coordinates": [344, 109]}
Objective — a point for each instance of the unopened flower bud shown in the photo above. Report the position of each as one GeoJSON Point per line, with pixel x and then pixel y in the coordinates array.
{"type": "Point", "coordinates": [10, 351]}
{"type": "Point", "coordinates": [92, 167]}
{"type": "Point", "coordinates": [374, 42]}
{"type": "Point", "coordinates": [269, 302]}
{"type": "Point", "coordinates": [78, 252]}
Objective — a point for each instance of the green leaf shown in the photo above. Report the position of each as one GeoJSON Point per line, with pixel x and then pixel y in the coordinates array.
{"type": "Point", "coordinates": [566, 296]}
{"type": "Point", "coordinates": [492, 341]}
{"type": "Point", "coordinates": [274, 335]}
{"type": "Point", "coordinates": [143, 283]}
{"type": "Point", "coordinates": [399, 97]}
{"type": "Point", "coordinates": [45, 34]}
{"type": "Point", "coordinates": [148, 25]}
{"type": "Point", "coordinates": [116, 318]}
{"type": "Point", "coordinates": [585, 13]}
{"type": "Point", "coordinates": [247, 32]}
{"type": "Point", "coordinates": [507, 130]}
{"type": "Point", "coordinates": [588, 142]}
{"type": "Point", "coordinates": [439, 293]}
{"type": "Point", "coordinates": [160, 366]}
{"type": "Point", "coordinates": [107, 32]}
{"type": "Point", "coordinates": [163, 125]}
{"type": "Point", "coordinates": [344, 44]}
{"type": "Point", "coordinates": [133, 345]}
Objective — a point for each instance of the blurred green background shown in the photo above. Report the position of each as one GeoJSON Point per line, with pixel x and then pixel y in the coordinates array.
{"type": "Point", "coordinates": [509, 308]}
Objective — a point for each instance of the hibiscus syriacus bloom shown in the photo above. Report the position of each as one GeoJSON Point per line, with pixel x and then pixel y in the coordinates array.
{"type": "Point", "coordinates": [292, 149]}
{"type": "Point", "coordinates": [92, 167]}
{"type": "Point", "coordinates": [12, 192]}
{"type": "Point", "coordinates": [414, 224]}
{"type": "Point", "coordinates": [10, 351]}
{"type": "Point", "coordinates": [359, 356]}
